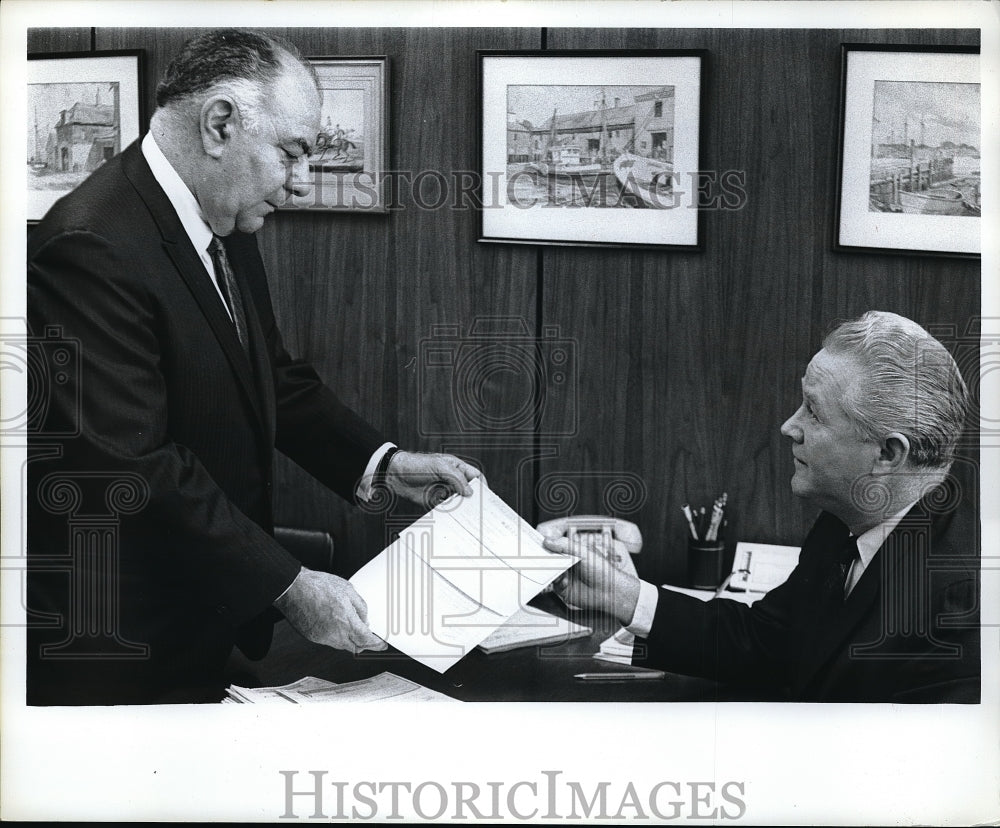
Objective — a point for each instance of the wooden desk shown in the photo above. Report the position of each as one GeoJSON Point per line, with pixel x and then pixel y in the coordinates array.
{"type": "Point", "coordinates": [528, 674]}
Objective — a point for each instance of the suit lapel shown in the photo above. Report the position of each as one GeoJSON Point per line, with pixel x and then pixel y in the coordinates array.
{"type": "Point", "coordinates": [260, 358]}
{"type": "Point", "coordinates": [834, 632]}
{"type": "Point", "coordinates": [186, 260]}
{"type": "Point", "coordinates": [831, 628]}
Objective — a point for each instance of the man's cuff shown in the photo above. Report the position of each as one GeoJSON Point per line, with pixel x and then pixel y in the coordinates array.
{"type": "Point", "coordinates": [364, 490]}
{"type": "Point", "coordinates": [284, 592]}
{"type": "Point", "coordinates": [645, 609]}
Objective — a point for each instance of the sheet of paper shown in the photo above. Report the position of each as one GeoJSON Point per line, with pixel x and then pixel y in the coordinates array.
{"type": "Point", "coordinates": [454, 576]}
{"type": "Point", "coordinates": [383, 687]}
{"type": "Point", "coordinates": [760, 567]}
{"type": "Point", "coordinates": [259, 695]}
{"type": "Point", "coordinates": [418, 611]}
{"type": "Point", "coordinates": [708, 594]}
{"type": "Point", "coordinates": [617, 648]}
{"type": "Point", "coordinates": [530, 626]}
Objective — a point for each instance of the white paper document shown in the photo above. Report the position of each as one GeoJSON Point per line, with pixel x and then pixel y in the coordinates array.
{"type": "Point", "coordinates": [531, 627]}
{"type": "Point", "coordinates": [311, 690]}
{"type": "Point", "coordinates": [454, 576]}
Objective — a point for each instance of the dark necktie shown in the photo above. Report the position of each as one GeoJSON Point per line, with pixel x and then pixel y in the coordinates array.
{"type": "Point", "coordinates": [230, 290]}
{"type": "Point", "coordinates": [834, 593]}
{"type": "Point", "coordinates": [848, 555]}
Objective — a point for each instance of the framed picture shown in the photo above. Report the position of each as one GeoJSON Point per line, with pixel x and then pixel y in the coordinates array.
{"type": "Point", "coordinates": [83, 108]}
{"type": "Point", "coordinates": [591, 148]}
{"type": "Point", "coordinates": [351, 156]}
{"type": "Point", "coordinates": [911, 136]}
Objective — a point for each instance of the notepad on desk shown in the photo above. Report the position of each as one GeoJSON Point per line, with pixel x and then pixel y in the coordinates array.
{"type": "Point", "coordinates": [617, 648]}
{"type": "Point", "coordinates": [530, 627]}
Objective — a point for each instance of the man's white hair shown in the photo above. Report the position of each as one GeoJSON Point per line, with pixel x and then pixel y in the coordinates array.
{"type": "Point", "coordinates": [908, 383]}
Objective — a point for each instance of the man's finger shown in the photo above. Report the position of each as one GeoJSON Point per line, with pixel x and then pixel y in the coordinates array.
{"type": "Point", "coordinates": [365, 639]}
{"type": "Point", "coordinates": [560, 545]}
{"type": "Point", "coordinates": [454, 479]}
{"type": "Point", "coordinates": [359, 604]}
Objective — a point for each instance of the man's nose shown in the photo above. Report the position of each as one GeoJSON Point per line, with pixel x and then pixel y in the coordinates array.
{"type": "Point", "coordinates": [790, 428]}
{"type": "Point", "coordinates": [298, 177]}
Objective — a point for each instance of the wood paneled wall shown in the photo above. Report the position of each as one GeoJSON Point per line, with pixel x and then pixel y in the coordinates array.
{"type": "Point", "coordinates": [688, 362]}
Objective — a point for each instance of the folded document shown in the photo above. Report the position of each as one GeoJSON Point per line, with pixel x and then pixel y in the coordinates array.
{"type": "Point", "coordinates": [454, 576]}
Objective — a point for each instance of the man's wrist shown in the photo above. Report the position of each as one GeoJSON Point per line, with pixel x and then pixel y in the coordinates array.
{"type": "Point", "coordinates": [382, 470]}
{"type": "Point", "coordinates": [282, 600]}
{"type": "Point", "coordinates": [626, 597]}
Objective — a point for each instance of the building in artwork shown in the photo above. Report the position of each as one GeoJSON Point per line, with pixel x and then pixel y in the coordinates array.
{"type": "Point", "coordinates": [645, 127]}
{"type": "Point", "coordinates": [85, 136]}
{"type": "Point", "coordinates": [518, 140]}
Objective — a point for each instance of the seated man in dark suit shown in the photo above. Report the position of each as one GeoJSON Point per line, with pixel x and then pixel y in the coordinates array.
{"type": "Point", "coordinates": [150, 487]}
{"type": "Point", "coordinates": [883, 604]}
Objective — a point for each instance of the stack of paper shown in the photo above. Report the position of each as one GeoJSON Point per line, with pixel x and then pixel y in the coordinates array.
{"type": "Point", "coordinates": [532, 627]}
{"type": "Point", "coordinates": [617, 648]}
{"type": "Point", "coordinates": [309, 690]}
{"type": "Point", "coordinates": [455, 576]}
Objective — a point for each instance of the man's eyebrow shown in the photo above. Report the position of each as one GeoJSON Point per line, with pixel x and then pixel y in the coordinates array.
{"type": "Point", "coordinates": [807, 395]}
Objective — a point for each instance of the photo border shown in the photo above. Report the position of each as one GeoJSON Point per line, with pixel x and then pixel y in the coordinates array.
{"type": "Point", "coordinates": [687, 231]}
{"type": "Point", "coordinates": [855, 228]}
{"type": "Point", "coordinates": [131, 128]}
{"type": "Point", "coordinates": [352, 196]}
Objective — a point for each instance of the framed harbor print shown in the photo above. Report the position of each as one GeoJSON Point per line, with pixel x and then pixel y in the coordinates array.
{"type": "Point", "coordinates": [592, 147]}
{"type": "Point", "coordinates": [909, 171]}
{"type": "Point", "coordinates": [83, 109]}
{"type": "Point", "coordinates": [349, 161]}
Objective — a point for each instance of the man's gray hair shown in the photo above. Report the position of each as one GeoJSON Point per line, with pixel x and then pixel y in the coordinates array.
{"type": "Point", "coordinates": [242, 63]}
{"type": "Point", "coordinates": [908, 383]}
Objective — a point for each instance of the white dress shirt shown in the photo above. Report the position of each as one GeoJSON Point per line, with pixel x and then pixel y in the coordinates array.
{"type": "Point", "coordinates": [193, 221]}
{"type": "Point", "coordinates": [868, 544]}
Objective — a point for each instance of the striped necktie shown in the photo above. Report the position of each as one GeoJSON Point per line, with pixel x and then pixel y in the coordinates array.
{"type": "Point", "coordinates": [230, 290]}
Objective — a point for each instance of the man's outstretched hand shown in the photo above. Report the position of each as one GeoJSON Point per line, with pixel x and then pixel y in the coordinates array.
{"type": "Point", "coordinates": [427, 479]}
{"type": "Point", "coordinates": [327, 610]}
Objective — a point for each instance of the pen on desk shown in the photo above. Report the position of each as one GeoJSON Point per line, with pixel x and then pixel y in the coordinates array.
{"type": "Point", "coordinates": [723, 585]}
{"type": "Point", "coordinates": [644, 675]}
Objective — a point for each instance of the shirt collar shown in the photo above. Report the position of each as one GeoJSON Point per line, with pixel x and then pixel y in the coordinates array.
{"type": "Point", "coordinates": [871, 541]}
{"type": "Point", "coordinates": [177, 192]}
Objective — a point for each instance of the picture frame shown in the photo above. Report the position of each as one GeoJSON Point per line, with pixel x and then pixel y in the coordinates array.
{"type": "Point", "coordinates": [610, 161]}
{"type": "Point", "coordinates": [83, 109]}
{"type": "Point", "coordinates": [348, 167]}
{"type": "Point", "coordinates": [909, 161]}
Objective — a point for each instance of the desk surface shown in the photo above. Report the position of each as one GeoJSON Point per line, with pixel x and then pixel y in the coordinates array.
{"type": "Point", "coordinates": [527, 674]}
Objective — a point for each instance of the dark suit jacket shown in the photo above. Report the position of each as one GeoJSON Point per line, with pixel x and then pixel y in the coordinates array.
{"type": "Point", "coordinates": [160, 397]}
{"type": "Point", "coordinates": [908, 631]}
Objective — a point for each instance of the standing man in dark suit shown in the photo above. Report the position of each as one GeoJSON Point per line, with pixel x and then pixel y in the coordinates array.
{"type": "Point", "coordinates": [883, 605]}
{"type": "Point", "coordinates": [150, 489]}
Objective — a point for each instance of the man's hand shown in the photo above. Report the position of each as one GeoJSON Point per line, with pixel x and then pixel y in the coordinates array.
{"type": "Point", "coordinates": [327, 610]}
{"type": "Point", "coordinates": [596, 582]}
{"type": "Point", "coordinates": [428, 479]}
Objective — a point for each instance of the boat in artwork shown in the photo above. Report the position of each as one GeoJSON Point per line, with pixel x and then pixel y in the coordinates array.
{"type": "Point", "coordinates": [563, 163]}
{"type": "Point", "coordinates": [940, 201]}
{"type": "Point", "coordinates": [648, 178]}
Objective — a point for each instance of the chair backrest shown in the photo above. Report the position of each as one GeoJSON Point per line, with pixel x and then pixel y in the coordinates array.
{"type": "Point", "coordinates": [313, 547]}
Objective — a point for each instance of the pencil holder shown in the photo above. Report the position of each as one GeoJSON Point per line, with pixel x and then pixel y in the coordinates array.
{"type": "Point", "coordinates": [705, 563]}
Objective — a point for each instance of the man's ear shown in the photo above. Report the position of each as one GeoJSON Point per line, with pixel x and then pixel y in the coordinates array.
{"type": "Point", "coordinates": [218, 118]}
{"type": "Point", "coordinates": [894, 454]}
